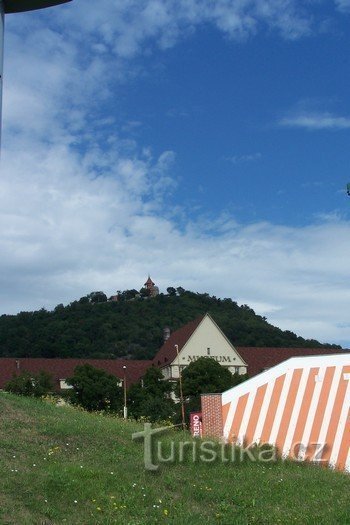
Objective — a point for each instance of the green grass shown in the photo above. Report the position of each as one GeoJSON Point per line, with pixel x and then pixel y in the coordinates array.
{"type": "Point", "coordinates": [59, 465]}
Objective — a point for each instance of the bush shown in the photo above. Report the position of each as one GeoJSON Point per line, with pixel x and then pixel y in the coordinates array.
{"type": "Point", "coordinates": [151, 398]}
{"type": "Point", "coordinates": [27, 384]}
{"type": "Point", "coordinates": [94, 389]}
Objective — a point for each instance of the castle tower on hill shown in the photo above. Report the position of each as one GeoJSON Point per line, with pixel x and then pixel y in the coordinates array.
{"type": "Point", "coordinates": [151, 287]}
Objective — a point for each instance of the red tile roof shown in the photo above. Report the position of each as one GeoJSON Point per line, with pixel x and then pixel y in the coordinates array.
{"type": "Point", "coordinates": [167, 352]}
{"type": "Point", "coordinates": [64, 368]}
{"type": "Point", "coordinates": [149, 282]}
{"type": "Point", "coordinates": [260, 358]}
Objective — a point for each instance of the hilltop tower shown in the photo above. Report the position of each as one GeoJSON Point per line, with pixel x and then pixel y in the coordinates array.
{"type": "Point", "coordinates": [151, 287]}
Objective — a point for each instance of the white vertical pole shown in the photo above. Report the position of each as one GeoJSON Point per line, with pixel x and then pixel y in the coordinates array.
{"type": "Point", "coordinates": [2, 21]}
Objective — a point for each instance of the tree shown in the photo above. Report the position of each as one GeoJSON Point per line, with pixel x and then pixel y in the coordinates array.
{"type": "Point", "coordinates": [171, 291]}
{"type": "Point", "coordinates": [205, 375]}
{"type": "Point", "coordinates": [95, 389]}
{"type": "Point", "coordinates": [151, 397]}
{"type": "Point", "coordinates": [127, 295]}
{"type": "Point", "coordinates": [97, 297]}
{"type": "Point", "coordinates": [27, 384]}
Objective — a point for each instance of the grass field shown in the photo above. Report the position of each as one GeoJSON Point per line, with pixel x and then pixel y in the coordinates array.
{"type": "Point", "coordinates": [59, 465]}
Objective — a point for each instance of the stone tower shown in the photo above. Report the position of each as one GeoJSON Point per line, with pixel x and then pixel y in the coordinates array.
{"type": "Point", "coordinates": [153, 289]}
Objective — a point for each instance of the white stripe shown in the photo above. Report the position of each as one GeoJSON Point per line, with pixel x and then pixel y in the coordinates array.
{"type": "Point", "coordinates": [229, 419]}
{"type": "Point", "coordinates": [245, 419]}
{"type": "Point", "coordinates": [311, 415]}
{"type": "Point", "coordinates": [263, 411]}
{"type": "Point", "coordinates": [329, 407]}
{"type": "Point", "coordinates": [341, 427]}
{"type": "Point", "coordinates": [296, 411]}
{"type": "Point", "coordinates": [281, 406]}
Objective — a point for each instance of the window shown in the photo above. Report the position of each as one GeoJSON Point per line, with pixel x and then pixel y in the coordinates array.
{"type": "Point", "coordinates": [64, 385]}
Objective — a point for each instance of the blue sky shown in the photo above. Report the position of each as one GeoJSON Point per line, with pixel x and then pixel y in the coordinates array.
{"type": "Point", "coordinates": [205, 143]}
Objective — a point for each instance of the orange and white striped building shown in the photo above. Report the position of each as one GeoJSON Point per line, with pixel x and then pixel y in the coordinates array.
{"type": "Point", "coordinates": [302, 406]}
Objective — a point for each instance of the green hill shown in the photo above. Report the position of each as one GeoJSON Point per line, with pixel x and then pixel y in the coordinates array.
{"type": "Point", "coordinates": [60, 465]}
{"type": "Point", "coordinates": [132, 328]}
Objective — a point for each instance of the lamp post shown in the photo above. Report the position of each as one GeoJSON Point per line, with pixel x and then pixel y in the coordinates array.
{"type": "Point", "coordinates": [181, 392]}
{"type": "Point", "coordinates": [18, 6]}
{"type": "Point", "coordinates": [124, 385]}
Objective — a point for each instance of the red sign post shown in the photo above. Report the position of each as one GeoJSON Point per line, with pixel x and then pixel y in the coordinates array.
{"type": "Point", "coordinates": [196, 424]}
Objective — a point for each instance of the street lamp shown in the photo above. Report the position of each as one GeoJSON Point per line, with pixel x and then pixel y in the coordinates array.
{"type": "Point", "coordinates": [181, 392]}
{"type": "Point", "coordinates": [124, 385]}
{"type": "Point", "coordinates": [18, 6]}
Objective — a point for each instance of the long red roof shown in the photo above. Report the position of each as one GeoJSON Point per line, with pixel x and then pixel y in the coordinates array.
{"type": "Point", "coordinates": [64, 368]}
{"type": "Point", "coordinates": [259, 359]}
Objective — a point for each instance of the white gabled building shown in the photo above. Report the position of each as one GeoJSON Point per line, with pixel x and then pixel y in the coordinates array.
{"type": "Point", "coordinates": [199, 338]}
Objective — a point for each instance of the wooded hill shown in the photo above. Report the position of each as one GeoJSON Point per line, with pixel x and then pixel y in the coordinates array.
{"type": "Point", "coordinates": [132, 328]}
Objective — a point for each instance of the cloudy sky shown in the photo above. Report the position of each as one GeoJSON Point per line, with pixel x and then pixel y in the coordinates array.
{"type": "Point", "coordinates": [205, 142]}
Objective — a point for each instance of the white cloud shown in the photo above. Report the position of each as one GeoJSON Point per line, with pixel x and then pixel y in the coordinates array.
{"type": "Point", "coordinates": [127, 28]}
{"type": "Point", "coordinates": [316, 121]}
{"type": "Point", "coordinates": [343, 5]}
{"type": "Point", "coordinates": [239, 159]}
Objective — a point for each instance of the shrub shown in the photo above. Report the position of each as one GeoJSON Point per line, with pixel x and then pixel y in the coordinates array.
{"type": "Point", "coordinates": [27, 384]}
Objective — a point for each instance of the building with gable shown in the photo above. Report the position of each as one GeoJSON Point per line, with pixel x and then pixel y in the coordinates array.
{"type": "Point", "coordinates": [199, 338]}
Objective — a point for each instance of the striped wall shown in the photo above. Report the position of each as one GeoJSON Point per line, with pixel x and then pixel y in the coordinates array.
{"type": "Point", "coordinates": [302, 406]}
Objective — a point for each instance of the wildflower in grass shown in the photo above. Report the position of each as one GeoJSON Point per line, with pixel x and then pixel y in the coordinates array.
{"type": "Point", "coordinates": [165, 512]}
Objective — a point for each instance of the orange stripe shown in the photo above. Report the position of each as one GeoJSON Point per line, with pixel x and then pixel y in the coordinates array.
{"type": "Point", "coordinates": [303, 413]}
{"type": "Point", "coordinates": [335, 416]}
{"type": "Point", "coordinates": [225, 409]}
{"type": "Point", "coordinates": [271, 411]}
{"type": "Point", "coordinates": [345, 445]}
{"type": "Point", "coordinates": [237, 419]}
{"type": "Point", "coordinates": [322, 402]}
{"type": "Point", "coordinates": [288, 408]}
{"type": "Point", "coordinates": [254, 414]}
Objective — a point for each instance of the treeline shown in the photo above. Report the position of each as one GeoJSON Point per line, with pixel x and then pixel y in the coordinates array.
{"type": "Point", "coordinates": [132, 327]}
